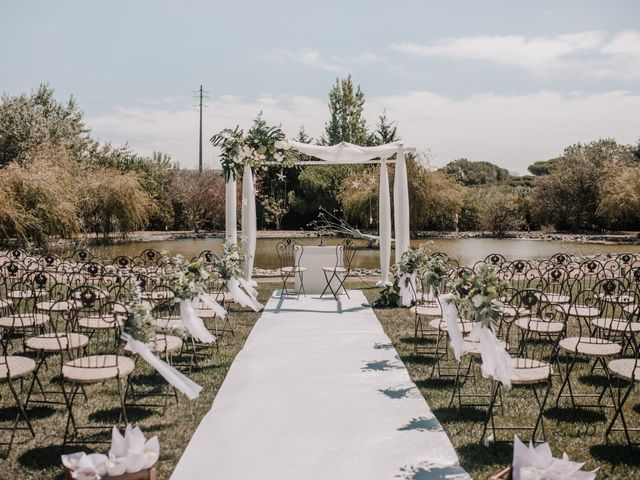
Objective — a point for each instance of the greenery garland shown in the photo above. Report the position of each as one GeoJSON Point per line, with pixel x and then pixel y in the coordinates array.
{"type": "Point", "coordinates": [186, 279]}
{"type": "Point", "coordinates": [139, 323]}
{"type": "Point", "coordinates": [478, 295]}
{"type": "Point", "coordinates": [229, 265]}
{"type": "Point", "coordinates": [263, 144]}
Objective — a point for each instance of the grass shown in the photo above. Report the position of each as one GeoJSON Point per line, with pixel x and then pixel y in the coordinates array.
{"type": "Point", "coordinates": [582, 438]}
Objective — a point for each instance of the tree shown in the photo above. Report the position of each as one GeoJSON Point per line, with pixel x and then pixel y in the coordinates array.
{"type": "Point", "coordinates": [619, 204]}
{"type": "Point", "coordinates": [544, 167]}
{"type": "Point", "coordinates": [359, 197]}
{"type": "Point", "coordinates": [346, 106]}
{"type": "Point", "coordinates": [111, 202]}
{"type": "Point", "coordinates": [386, 130]}
{"type": "Point", "coordinates": [29, 121]}
{"type": "Point", "coordinates": [200, 198]}
{"type": "Point", "coordinates": [476, 173]}
{"type": "Point", "coordinates": [500, 213]}
{"type": "Point", "coordinates": [568, 197]}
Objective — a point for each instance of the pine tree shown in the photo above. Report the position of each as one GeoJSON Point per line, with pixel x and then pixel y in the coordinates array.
{"type": "Point", "coordinates": [386, 130]}
{"type": "Point", "coordinates": [347, 124]}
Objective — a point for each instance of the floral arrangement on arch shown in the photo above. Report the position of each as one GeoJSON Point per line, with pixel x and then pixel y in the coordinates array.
{"type": "Point", "coordinates": [229, 264]}
{"type": "Point", "coordinates": [261, 145]}
{"type": "Point", "coordinates": [479, 296]}
{"type": "Point", "coordinates": [186, 279]}
{"type": "Point", "coordinates": [430, 268]}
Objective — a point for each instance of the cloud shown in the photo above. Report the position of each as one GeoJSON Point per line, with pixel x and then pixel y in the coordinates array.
{"type": "Point", "coordinates": [314, 59]}
{"type": "Point", "coordinates": [592, 53]}
{"type": "Point", "coordinates": [510, 130]}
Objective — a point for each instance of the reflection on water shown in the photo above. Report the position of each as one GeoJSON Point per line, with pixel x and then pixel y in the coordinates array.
{"type": "Point", "coordinates": [466, 250]}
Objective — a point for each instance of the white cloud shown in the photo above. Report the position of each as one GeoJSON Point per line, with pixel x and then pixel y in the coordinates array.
{"type": "Point", "coordinates": [314, 59]}
{"type": "Point", "coordinates": [511, 130]}
{"type": "Point", "coordinates": [591, 54]}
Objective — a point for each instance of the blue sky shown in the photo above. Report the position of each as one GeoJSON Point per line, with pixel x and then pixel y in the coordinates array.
{"type": "Point", "coordinates": [505, 81]}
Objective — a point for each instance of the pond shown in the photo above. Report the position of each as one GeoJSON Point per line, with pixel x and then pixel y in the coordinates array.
{"type": "Point", "coordinates": [465, 250]}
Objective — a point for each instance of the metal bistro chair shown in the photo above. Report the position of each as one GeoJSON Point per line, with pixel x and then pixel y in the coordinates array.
{"type": "Point", "coordinates": [289, 253]}
{"type": "Point", "coordinates": [344, 260]}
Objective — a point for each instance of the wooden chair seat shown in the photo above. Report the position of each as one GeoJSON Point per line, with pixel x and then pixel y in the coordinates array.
{"type": "Point", "coordinates": [432, 310]}
{"type": "Point", "coordinates": [15, 366]}
{"type": "Point", "coordinates": [622, 299]}
{"type": "Point", "coordinates": [630, 308]}
{"type": "Point", "coordinates": [584, 311]}
{"type": "Point", "coordinates": [57, 342]}
{"type": "Point", "coordinates": [473, 348]}
{"type": "Point", "coordinates": [19, 294]}
{"type": "Point", "coordinates": [593, 347]}
{"type": "Point", "coordinates": [170, 323]}
{"type": "Point", "coordinates": [528, 372]}
{"type": "Point", "coordinates": [616, 325]}
{"type": "Point", "coordinates": [440, 325]}
{"type": "Point", "coordinates": [511, 311]}
{"type": "Point", "coordinates": [53, 306]}
{"type": "Point", "coordinates": [334, 269]}
{"type": "Point", "coordinates": [559, 298]}
{"type": "Point", "coordinates": [158, 295]}
{"type": "Point", "coordinates": [103, 322]}
{"type": "Point", "coordinates": [5, 303]}
{"type": "Point", "coordinates": [224, 297]}
{"type": "Point", "coordinates": [293, 269]}
{"type": "Point", "coordinates": [99, 294]}
{"type": "Point", "coordinates": [539, 326]}
{"type": "Point", "coordinates": [162, 343]}
{"type": "Point", "coordinates": [24, 320]}
{"type": "Point", "coordinates": [97, 368]}
{"type": "Point", "coordinates": [626, 368]}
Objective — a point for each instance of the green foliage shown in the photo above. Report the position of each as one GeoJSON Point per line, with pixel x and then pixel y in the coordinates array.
{"type": "Point", "coordinates": [29, 121]}
{"type": "Point", "coordinates": [569, 197]}
{"type": "Point", "coordinates": [619, 204]}
{"type": "Point", "coordinates": [386, 130]}
{"type": "Point", "coordinates": [476, 173]}
{"type": "Point", "coordinates": [478, 295]}
{"type": "Point", "coordinates": [544, 167]}
{"type": "Point", "coordinates": [346, 107]}
{"type": "Point", "coordinates": [200, 198]}
{"type": "Point", "coordinates": [500, 212]}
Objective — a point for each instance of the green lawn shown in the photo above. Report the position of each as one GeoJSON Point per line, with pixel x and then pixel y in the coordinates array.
{"type": "Point", "coordinates": [581, 438]}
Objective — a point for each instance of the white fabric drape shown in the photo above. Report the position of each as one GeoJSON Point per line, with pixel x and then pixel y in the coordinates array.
{"type": "Point", "coordinates": [451, 318]}
{"type": "Point", "coordinates": [244, 293]}
{"type": "Point", "coordinates": [344, 152]}
{"type": "Point", "coordinates": [496, 361]}
{"type": "Point", "coordinates": [170, 374]}
{"type": "Point", "coordinates": [248, 222]}
{"type": "Point", "coordinates": [193, 323]}
{"type": "Point", "coordinates": [401, 205]}
{"type": "Point", "coordinates": [230, 228]}
{"type": "Point", "coordinates": [384, 222]}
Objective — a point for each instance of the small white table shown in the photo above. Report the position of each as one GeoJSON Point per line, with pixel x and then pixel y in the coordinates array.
{"type": "Point", "coordinates": [314, 259]}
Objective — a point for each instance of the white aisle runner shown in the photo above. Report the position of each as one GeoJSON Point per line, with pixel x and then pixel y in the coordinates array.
{"type": "Point", "coordinates": [318, 392]}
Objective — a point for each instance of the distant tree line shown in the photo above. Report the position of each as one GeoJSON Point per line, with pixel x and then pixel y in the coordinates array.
{"type": "Point", "coordinates": [57, 181]}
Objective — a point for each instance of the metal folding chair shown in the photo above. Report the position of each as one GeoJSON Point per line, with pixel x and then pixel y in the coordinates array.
{"type": "Point", "coordinates": [289, 254]}
{"type": "Point", "coordinates": [341, 270]}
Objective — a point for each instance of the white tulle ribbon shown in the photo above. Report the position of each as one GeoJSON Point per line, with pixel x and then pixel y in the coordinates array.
{"type": "Point", "coordinates": [242, 297]}
{"type": "Point", "coordinates": [194, 324]}
{"type": "Point", "coordinates": [170, 374]}
{"type": "Point", "coordinates": [496, 361]}
{"type": "Point", "coordinates": [218, 309]}
{"type": "Point", "coordinates": [407, 287]}
{"type": "Point", "coordinates": [451, 319]}
{"type": "Point", "coordinates": [538, 462]}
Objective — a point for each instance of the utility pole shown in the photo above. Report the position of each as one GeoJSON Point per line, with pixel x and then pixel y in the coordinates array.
{"type": "Point", "coordinates": [200, 138]}
{"type": "Point", "coordinates": [201, 94]}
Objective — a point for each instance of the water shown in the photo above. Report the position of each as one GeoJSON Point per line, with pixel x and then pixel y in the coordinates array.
{"type": "Point", "coordinates": [466, 250]}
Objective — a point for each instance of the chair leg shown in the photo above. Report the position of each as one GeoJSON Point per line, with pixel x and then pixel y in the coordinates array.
{"type": "Point", "coordinates": [492, 402]}
{"type": "Point", "coordinates": [21, 410]}
{"type": "Point", "coordinates": [121, 394]}
{"type": "Point", "coordinates": [622, 399]}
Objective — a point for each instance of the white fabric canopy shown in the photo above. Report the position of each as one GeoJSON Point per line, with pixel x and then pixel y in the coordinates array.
{"type": "Point", "coordinates": [343, 153]}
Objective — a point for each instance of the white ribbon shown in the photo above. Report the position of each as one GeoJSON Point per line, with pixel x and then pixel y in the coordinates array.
{"type": "Point", "coordinates": [450, 316]}
{"type": "Point", "coordinates": [244, 298]}
{"type": "Point", "coordinates": [539, 463]}
{"type": "Point", "coordinates": [496, 361]}
{"type": "Point", "coordinates": [407, 286]}
{"type": "Point", "coordinates": [170, 374]}
{"type": "Point", "coordinates": [194, 324]}
{"type": "Point", "coordinates": [212, 304]}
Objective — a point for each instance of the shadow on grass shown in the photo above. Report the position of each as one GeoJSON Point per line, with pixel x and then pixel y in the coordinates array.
{"type": "Point", "coordinates": [594, 380]}
{"type": "Point", "coordinates": [436, 383]}
{"type": "Point", "coordinates": [475, 456]}
{"type": "Point", "coordinates": [457, 415]}
{"type": "Point", "coordinates": [617, 454]}
{"type": "Point", "coordinates": [417, 359]}
{"type": "Point", "coordinates": [110, 415]}
{"type": "Point", "coordinates": [566, 414]}
{"type": "Point", "coordinates": [416, 340]}
{"type": "Point", "coordinates": [41, 458]}
{"type": "Point", "coordinates": [34, 411]}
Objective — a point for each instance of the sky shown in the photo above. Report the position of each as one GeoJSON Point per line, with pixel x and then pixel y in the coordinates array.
{"type": "Point", "coordinates": [510, 82]}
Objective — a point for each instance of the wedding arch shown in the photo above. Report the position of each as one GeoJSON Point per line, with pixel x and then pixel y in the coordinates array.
{"type": "Point", "coordinates": [341, 154]}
